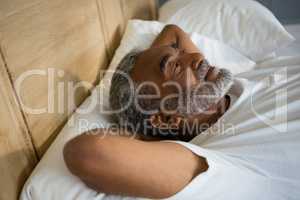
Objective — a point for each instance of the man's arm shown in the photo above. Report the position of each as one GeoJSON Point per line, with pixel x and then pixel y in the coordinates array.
{"type": "Point", "coordinates": [131, 167]}
{"type": "Point", "coordinates": [172, 34]}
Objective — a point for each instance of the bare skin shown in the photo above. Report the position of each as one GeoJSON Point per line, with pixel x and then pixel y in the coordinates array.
{"type": "Point", "coordinates": [138, 167]}
{"type": "Point", "coordinates": [132, 167]}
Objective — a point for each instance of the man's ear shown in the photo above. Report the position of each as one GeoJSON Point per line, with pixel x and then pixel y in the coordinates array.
{"type": "Point", "coordinates": [165, 122]}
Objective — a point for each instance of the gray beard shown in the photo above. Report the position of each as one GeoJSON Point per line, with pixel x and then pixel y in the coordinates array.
{"type": "Point", "coordinates": [198, 99]}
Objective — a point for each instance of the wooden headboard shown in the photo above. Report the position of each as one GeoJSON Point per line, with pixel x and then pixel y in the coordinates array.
{"type": "Point", "coordinates": [67, 40]}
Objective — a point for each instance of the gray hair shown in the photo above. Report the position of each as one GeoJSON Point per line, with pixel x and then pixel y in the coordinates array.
{"type": "Point", "coordinates": [122, 94]}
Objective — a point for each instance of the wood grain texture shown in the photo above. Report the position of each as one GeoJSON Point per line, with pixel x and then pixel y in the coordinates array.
{"type": "Point", "coordinates": [17, 156]}
{"type": "Point", "coordinates": [113, 22]}
{"type": "Point", "coordinates": [136, 9]}
{"type": "Point", "coordinates": [8, 8]}
{"type": "Point", "coordinates": [61, 34]}
{"type": "Point", "coordinates": [114, 15]}
{"type": "Point", "coordinates": [62, 42]}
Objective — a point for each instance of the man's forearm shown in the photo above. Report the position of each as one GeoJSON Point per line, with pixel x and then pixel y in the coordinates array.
{"type": "Point", "coordinates": [172, 34]}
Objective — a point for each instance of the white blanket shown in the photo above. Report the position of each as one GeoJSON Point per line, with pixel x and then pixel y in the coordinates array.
{"type": "Point", "coordinates": [253, 150]}
{"type": "Point", "coordinates": [257, 159]}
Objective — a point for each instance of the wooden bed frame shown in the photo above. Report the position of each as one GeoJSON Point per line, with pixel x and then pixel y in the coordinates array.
{"type": "Point", "coordinates": [72, 40]}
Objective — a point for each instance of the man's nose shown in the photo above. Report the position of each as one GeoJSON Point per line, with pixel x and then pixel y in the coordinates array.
{"type": "Point", "coordinates": [190, 78]}
{"type": "Point", "coordinates": [191, 63]}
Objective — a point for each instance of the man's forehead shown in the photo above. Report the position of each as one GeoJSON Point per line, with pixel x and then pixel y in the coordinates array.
{"type": "Point", "coordinates": [154, 51]}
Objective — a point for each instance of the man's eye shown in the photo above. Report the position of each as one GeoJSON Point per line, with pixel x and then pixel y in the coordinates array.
{"type": "Point", "coordinates": [174, 45]}
{"type": "Point", "coordinates": [177, 68]}
{"type": "Point", "coordinates": [163, 63]}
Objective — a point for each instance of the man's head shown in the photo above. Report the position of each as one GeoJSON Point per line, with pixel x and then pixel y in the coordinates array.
{"type": "Point", "coordinates": [167, 88]}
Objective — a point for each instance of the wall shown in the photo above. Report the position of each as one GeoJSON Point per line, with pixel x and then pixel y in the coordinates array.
{"type": "Point", "coordinates": [286, 11]}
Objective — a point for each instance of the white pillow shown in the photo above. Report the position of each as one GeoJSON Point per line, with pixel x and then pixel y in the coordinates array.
{"type": "Point", "coordinates": [51, 179]}
{"type": "Point", "coordinates": [140, 34]}
{"type": "Point", "coordinates": [245, 25]}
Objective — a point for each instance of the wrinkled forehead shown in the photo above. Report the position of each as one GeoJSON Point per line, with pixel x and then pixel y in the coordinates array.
{"type": "Point", "coordinates": [146, 66]}
{"type": "Point", "coordinates": [153, 54]}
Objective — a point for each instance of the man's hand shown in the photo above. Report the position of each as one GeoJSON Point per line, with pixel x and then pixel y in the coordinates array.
{"type": "Point", "coordinates": [173, 35]}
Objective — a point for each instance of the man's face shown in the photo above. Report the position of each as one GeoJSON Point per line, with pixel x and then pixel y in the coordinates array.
{"type": "Point", "coordinates": [165, 64]}
{"type": "Point", "coordinates": [174, 71]}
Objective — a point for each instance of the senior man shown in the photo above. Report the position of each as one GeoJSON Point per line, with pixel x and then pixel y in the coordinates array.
{"type": "Point", "coordinates": [167, 94]}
